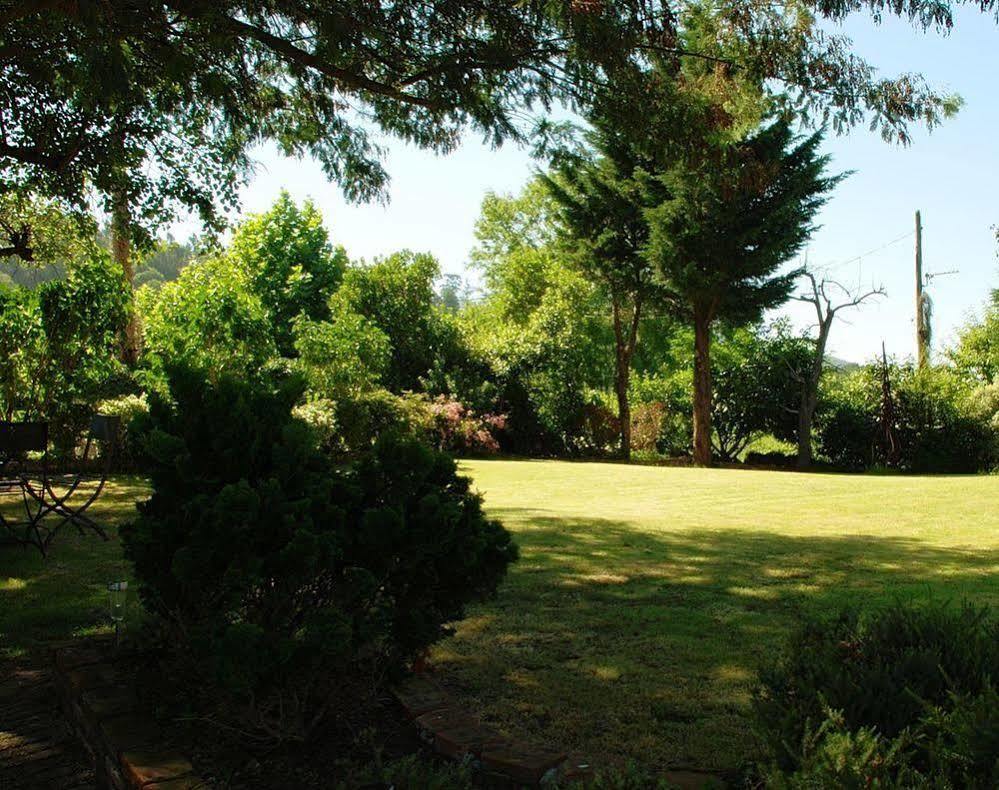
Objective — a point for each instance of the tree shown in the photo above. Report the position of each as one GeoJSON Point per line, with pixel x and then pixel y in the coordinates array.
{"type": "Point", "coordinates": [343, 356]}
{"type": "Point", "coordinates": [756, 386]}
{"type": "Point", "coordinates": [541, 324]}
{"type": "Point", "coordinates": [604, 231]}
{"type": "Point", "coordinates": [57, 346]}
{"type": "Point", "coordinates": [820, 297]}
{"type": "Point", "coordinates": [976, 354]}
{"type": "Point", "coordinates": [94, 89]}
{"type": "Point", "coordinates": [396, 294]}
{"type": "Point", "coordinates": [208, 319]}
{"type": "Point", "coordinates": [293, 268]}
{"type": "Point", "coordinates": [732, 218]}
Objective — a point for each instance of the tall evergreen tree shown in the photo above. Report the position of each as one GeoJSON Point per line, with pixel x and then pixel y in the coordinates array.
{"type": "Point", "coordinates": [603, 229]}
{"type": "Point", "coordinates": [733, 217]}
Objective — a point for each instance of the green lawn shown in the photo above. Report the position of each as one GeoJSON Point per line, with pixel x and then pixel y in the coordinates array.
{"type": "Point", "coordinates": [645, 597]}
{"type": "Point", "coordinates": [65, 594]}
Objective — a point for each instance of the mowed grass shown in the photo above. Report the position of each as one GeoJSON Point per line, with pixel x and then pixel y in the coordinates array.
{"type": "Point", "coordinates": [65, 594]}
{"type": "Point", "coordinates": [646, 598]}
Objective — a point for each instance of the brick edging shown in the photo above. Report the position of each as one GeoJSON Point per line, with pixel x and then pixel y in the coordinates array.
{"type": "Point", "coordinates": [455, 734]}
{"type": "Point", "coordinates": [127, 747]}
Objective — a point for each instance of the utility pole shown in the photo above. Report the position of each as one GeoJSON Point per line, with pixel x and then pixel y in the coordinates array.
{"type": "Point", "coordinates": [922, 323]}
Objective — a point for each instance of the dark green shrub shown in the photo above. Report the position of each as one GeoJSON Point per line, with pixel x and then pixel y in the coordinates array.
{"type": "Point", "coordinates": [846, 424]}
{"type": "Point", "coordinates": [917, 681]}
{"type": "Point", "coordinates": [939, 424]}
{"type": "Point", "coordinates": [292, 582]}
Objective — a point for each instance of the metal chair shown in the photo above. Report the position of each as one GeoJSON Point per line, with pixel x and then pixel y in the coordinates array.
{"type": "Point", "coordinates": [17, 440]}
{"type": "Point", "coordinates": [50, 499]}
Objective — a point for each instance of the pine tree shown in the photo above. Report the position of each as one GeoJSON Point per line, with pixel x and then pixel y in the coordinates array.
{"type": "Point", "coordinates": [603, 229]}
{"type": "Point", "coordinates": [735, 214]}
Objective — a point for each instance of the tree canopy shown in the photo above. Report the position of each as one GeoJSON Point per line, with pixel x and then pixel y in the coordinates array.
{"type": "Point", "coordinates": [158, 103]}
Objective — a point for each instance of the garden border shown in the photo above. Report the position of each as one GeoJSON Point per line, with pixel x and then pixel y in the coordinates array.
{"type": "Point", "coordinates": [127, 748]}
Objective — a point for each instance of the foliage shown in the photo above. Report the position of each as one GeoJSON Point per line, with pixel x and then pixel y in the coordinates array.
{"type": "Point", "coordinates": [942, 424]}
{"type": "Point", "coordinates": [449, 425]}
{"type": "Point", "coordinates": [164, 262]}
{"type": "Point", "coordinates": [396, 295]}
{"type": "Point", "coordinates": [22, 343]}
{"type": "Point", "coordinates": [39, 230]}
{"type": "Point", "coordinates": [976, 354]}
{"type": "Point", "coordinates": [413, 771]}
{"type": "Point", "coordinates": [342, 356]}
{"type": "Point", "coordinates": [293, 581]}
{"type": "Point", "coordinates": [167, 99]}
{"type": "Point", "coordinates": [727, 221]}
{"type": "Point", "coordinates": [757, 375]}
{"type": "Point", "coordinates": [292, 266]}
{"type": "Point", "coordinates": [903, 696]}
{"type": "Point", "coordinates": [732, 217]}
{"type": "Point", "coordinates": [848, 419]}
{"type": "Point", "coordinates": [209, 318]}
{"type": "Point", "coordinates": [603, 230]}
{"type": "Point", "coordinates": [541, 327]}
{"type": "Point", "coordinates": [60, 347]}
{"type": "Point", "coordinates": [130, 409]}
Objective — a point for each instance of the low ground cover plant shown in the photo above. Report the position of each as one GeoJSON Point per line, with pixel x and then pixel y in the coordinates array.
{"type": "Point", "coordinates": [901, 697]}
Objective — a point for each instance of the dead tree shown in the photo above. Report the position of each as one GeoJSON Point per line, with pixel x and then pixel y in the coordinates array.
{"type": "Point", "coordinates": [821, 295]}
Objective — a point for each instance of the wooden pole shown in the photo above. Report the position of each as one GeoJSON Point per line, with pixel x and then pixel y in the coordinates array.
{"type": "Point", "coordinates": [922, 330]}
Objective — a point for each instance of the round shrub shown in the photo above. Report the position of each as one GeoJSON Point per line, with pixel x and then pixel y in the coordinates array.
{"type": "Point", "coordinates": [289, 583]}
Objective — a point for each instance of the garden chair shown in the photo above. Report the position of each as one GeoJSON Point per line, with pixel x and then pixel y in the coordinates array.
{"type": "Point", "coordinates": [54, 499]}
{"type": "Point", "coordinates": [17, 440]}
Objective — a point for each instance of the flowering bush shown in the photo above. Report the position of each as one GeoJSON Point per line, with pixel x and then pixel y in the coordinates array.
{"type": "Point", "coordinates": [450, 425]}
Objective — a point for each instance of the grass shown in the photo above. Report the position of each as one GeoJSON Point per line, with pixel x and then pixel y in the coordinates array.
{"type": "Point", "coordinates": [65, 594]}
{"type": "Point", "coordinates": [645, 597]}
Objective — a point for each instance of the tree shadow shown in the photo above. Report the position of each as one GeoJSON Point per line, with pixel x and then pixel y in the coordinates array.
{"type": "Point", "coordinates": [633, 644]}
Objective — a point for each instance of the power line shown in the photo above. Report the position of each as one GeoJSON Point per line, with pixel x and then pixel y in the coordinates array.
{"type": "Point", "coordinates": [869, 253]}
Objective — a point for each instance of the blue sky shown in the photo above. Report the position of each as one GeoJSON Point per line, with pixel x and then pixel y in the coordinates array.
{"type": "Point", "coordinates": [951, 175]}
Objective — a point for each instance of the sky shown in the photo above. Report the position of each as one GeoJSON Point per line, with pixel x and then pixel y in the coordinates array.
{"type": "Point", "coordinates": [951, 175]}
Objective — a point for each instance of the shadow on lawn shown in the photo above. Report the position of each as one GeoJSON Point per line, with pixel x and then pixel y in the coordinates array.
{"type": "Point", "coordinates": [64, 594]}
{"type": "Point", "coordinates": [642, 645]}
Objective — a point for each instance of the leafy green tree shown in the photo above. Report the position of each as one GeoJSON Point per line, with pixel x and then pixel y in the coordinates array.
{"type": "Point", "coordinates": [59, 346]}
{"type": "Point", "coordinates": [604, 232]}
{"type": "Point", "coordinates": [976, 354]}
{"type": "Point", "coordinates": [208, 319]}
{"type": "Point", "coordinates": [396, 294]}
{"type": "Point", "coordinates": [164, 262]}
{"type": "Point", "coordinates": [22, 346]}
{"type": "Point", "coordinates": [293, 268]}
{"type": "Point", "coordinates": [343, 356]}
{"type": "Point", "coordinates": [542, 324]}
{"type": "Point", "coordinates": [732, 219]}
{"type": "Point", "coordinates": [99, 92]}
{"type": "Point", "coordinates": [757, 387]}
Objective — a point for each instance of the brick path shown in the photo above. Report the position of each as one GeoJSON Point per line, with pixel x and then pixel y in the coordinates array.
{"type": "Point", "coordinates": [37, 749]}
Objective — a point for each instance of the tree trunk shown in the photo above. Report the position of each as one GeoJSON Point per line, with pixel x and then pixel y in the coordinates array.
{"type": "Point", "coordinates": [810, 394]}
{"type": "Point", "coordinates": [805, 414]}
{"type": "Point", "coordinates": [121, 250]}
{"type": "Point", "coordinates": [622, 370]}
{"type": "Point", "coordinates": [623, 404]}
{"type": "Point", "coordinates": [702, 387]}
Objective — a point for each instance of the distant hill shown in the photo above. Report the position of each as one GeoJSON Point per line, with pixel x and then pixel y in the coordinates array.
{"type": "Point", "coordinates": [841, 365]}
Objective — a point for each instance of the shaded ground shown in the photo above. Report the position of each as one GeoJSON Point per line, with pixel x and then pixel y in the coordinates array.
{"type": "Point", "coordinates": [37, 749]}
{"type": "Point", "coordinates": [65, 595]}
{"type": "Point", "coordinates": [646, 598]}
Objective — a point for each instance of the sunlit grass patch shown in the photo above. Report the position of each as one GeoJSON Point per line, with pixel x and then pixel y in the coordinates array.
{"type": "Point", "coordinates": [646, 598]}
